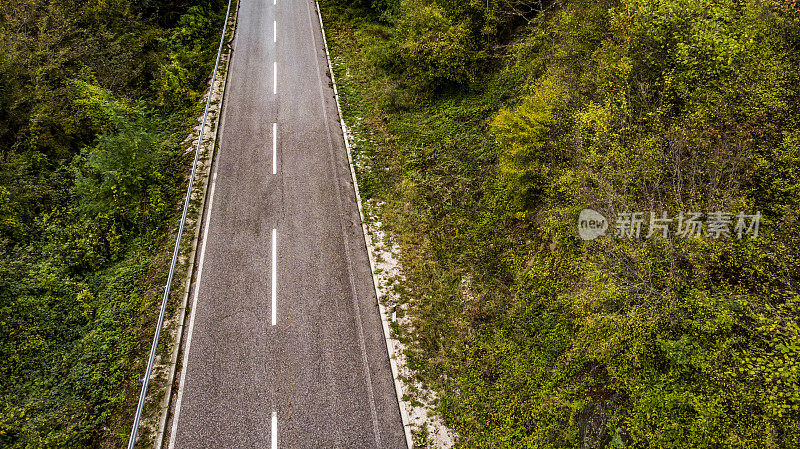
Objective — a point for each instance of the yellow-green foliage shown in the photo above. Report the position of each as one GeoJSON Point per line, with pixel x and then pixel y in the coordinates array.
{"type": "Point", "coordinates": [524, 133]}
{"type": "Point", "coordinates": [685, 106]}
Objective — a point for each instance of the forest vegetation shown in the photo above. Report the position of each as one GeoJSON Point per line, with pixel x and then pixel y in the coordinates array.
{"type": "Point", "coordinates": [483, 127]}
{"type": "Point", "coordinates": [95, 99]}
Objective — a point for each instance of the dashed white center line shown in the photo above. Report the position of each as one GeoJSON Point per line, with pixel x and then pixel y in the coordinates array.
{"type": "Point", "coordinates": [274, 31]}
{"type": "Point", "coordinates": [274, 277]}
{"type": "Point", "coordinates": [274, 430]}
{"type": "Point", "coordinates": [275, 77]}
{"type": "Point", "coordinates": [274, 148]}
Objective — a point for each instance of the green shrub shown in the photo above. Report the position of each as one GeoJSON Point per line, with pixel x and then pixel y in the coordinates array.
{"type": "Point", "coordinates": [435, 50]}
{"type": "Point", "coordinates": [524, 134]}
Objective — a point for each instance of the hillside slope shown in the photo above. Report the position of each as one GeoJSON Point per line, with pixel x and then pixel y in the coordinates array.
{"type": "Point", "coordinates": [95, 99]}
{"type": "Point", "coordinates": [485, 128]}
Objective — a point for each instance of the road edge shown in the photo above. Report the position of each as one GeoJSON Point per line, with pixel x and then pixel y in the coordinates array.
{"type": "Point", "coordinates": [386, 332]}
{"type": "Point", "coordinates": [222, 83]}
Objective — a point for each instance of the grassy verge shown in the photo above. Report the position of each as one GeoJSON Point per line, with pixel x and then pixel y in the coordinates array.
{"type": "Point", "coordinates": [433, 170]}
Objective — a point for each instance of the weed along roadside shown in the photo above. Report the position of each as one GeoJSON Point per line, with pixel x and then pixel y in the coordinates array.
{"type": "Point", "coordinates": [481, 132]}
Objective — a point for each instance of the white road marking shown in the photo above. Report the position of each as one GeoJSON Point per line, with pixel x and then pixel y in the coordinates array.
{"type": "Point", "coordinates": [275, 77]}
{"type": "Point", "coordinates": [274, 275]}
{"type": "Point", "coordinates": [274, 430]}
{"type": "Point", "coordinates": [181, 385]}
{"type": "Point", "coordinates": [274, 148]}
{"type": "Point", "coordinates": [274, 31]}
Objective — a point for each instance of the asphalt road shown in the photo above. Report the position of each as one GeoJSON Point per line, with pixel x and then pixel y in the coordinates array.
{"type": "Point", "coordinates": [307, 367]}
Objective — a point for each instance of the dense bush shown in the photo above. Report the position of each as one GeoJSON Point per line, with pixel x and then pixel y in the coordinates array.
{"type": "Point", "coordinates": [433, 45]}
{"type": "Point", "coordinates": [90, 173]}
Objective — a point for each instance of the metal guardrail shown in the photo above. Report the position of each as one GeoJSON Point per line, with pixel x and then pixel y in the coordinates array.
{"type": "Point", "coordinates": [154, 347]}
